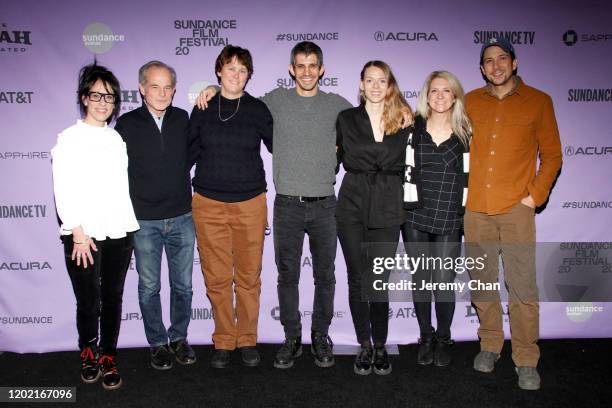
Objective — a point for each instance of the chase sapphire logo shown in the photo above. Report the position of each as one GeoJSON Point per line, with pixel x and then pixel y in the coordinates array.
{"type": "Point", "coordinates": [570, 37]}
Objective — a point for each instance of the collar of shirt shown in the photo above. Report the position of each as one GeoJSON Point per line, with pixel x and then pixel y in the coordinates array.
{"type": "Point", "coordinates": [516, 88]}
{"type": "Point", "coordinates": [158, 120]}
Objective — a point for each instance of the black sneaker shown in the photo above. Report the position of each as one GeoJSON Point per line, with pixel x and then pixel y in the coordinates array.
{"type": "Point", "coordinates": [322, 349]}
{"type": "Point", "coordinates": [183, 352]}
{"type": "Point", "coordinates": [288, 352]}
{"type": "Point", "coordinates": [161, 358]}
{"type": "Point", "coordinates": [382, 366]}
{"type": "Point", "coordinates": [425, 352]}
{"type": "Point", "coordinates": [250, 356]}
{"type": "Point", "coordinates": [363, 360]}
{"type": "Point", "coordinates": [442, 352]}
{"type": "Point", "coordinates": [89, 366]}
{"type": "Point", "coordinates": [111, 380]}
{"type": "Point", "coordinates": [220, 358]}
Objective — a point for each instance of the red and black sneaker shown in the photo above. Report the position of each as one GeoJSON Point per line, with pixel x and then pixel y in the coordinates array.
{"type": "Point", "coordinates": [89, 366]}
{"type": "Point", "coordinates": [111, 380]}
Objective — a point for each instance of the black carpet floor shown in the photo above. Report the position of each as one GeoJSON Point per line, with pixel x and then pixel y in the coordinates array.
{"type": "Point", "coordinates": [575, 373]}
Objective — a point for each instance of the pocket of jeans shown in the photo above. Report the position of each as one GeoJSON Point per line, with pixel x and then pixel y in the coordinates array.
{"type": "Point", "coordinates": [282, 201]}
{"type": "Point", "coordinates": [329, 202]}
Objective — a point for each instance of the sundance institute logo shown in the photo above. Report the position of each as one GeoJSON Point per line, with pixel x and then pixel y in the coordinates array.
{"type": "Point", "coordinates": [581, 311]}
{"type": "Point", "coordinates": [99, 38]}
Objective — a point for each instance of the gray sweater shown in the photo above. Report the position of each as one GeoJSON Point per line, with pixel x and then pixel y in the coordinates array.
{"type": "Point", "coordinates": [304, 159]}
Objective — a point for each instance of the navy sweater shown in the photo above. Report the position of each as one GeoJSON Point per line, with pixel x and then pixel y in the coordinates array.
{"type": "Point", "coordinates": [229, 167]}
{"type": "Point", "coordinates": [158, 162]}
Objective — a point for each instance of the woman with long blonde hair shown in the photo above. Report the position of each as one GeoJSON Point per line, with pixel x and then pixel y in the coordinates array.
{"type": "Point", "coordinates": [435, 193]}
{"type": "Point", "coordinates": [371, 146]}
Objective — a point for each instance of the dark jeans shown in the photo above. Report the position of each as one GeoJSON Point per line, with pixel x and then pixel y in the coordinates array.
{"type": "Point", "coordinates": [448, 245]}
{"type": "Point", "coordinates": [370, 318]}
{"type": "Point", "coordinates": [99, 291]}
{"type": "Point", "coordinates": [293, 218]}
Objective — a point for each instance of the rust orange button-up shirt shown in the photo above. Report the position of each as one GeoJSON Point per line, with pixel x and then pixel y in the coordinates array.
{"type": "Point", "coordinates": [508, 135]}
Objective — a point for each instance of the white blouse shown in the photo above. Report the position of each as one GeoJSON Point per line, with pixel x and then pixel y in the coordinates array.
{"type": "Point", "coordinates": [90, 182]}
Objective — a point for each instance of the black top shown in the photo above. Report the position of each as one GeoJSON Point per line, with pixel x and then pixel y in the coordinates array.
{"type": "Point", "coordinates": [158, 162]}
{"type": "Point", "coordinates": [441, 176]}
{"type": "Point", "coordinates": [371, 191]}
{"type": "Point", "coordinates": [229, 167]}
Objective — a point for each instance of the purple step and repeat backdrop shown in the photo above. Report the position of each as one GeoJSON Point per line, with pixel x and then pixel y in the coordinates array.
{"type": "Point", "coordinates": [564, 48]}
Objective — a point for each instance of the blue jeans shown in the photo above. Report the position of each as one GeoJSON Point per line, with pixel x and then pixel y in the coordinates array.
{"type": "Point", "coordinates": [177, 236]}
{"type": "Point", "coordinates": [292, 219]}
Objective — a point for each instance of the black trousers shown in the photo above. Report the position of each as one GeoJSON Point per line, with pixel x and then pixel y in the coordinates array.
{"type": "Point", "coordinates": [370, 318]}
{"type": "Point", "coordinates": [99, 291]}
{"type": "Point", "coordinates": [442, 246]}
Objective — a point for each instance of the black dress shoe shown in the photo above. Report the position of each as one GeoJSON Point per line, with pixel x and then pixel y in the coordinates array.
{"type": "Point", "coordinates": [220, 359]}
{"type": "Point", "coordinates": [250, 356]}
{"type": "Point", "coordinates": [161, 358]}
{"type": "Point", "coordinates": [111, 380]}
{"type": "Point", "coordinates": [442, 352]}
{"type": "Point", "coordinates": [288, 352]}
{"type": "Point", "coordinates": [363, 360]}
{"type": "Point", "coordinates": [322, 348]}
{"type": "Point", "coordinates": [381, 364]}
{"type": "Point", "coordinates": [183, 352]}
{"type": "Point", "coordinates": [90, 372]}
{"type": "Point", "coordinates": [425, 353]}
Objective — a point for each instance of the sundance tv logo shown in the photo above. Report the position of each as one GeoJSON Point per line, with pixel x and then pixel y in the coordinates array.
{"type": "Point", "coordinates": [514, 37]}
{"type": "Point", "coordinates": [571, 38]}
{"type": "Point", "coordinates": [14, 41]}
{"type": "Point", "coordinates": [408, 36]}
{"type": "Point", "coordinates": [589, 95]}
{"type": "Point", "coordinates": [23, 211]}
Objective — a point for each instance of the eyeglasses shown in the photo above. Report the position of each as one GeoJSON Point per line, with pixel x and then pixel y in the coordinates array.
{"type": "Point", "coordinates": [97, 97]}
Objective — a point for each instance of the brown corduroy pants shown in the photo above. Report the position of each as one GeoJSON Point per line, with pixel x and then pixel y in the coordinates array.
{"type": "Point", "coordinates": [513, 234]}
{"type": "Point", "coordinates": [230, 242]}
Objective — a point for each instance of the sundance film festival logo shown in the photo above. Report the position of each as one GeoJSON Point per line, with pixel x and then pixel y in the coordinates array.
{"type": "Point", "coordinates": [307, 37]}
{"type": "Point", "coordinates": [412, 36]}
{"type": "Point", "coordinates": [513, 37]}
{"type": "Point", "coordinates": [571, 38]}
{"type": "Point", "coordinates": [25, 266]}
{"type": "Point", "coordinates": [99, 38]}
{"type": "Point", "coordinates": [16, 97]}
{"type": "Point", "coordinates": [23, 211]}
{"type": "Point", "coordinates": [290, 83]}
{"type": "Point", "coordinates": [589, 95]}
{"type": "Point", "coordinates": [588, 151]}
{"type": "Point", "coordinates": [203, 33]}
{"type": "Point", "coordinates": [14, 41]}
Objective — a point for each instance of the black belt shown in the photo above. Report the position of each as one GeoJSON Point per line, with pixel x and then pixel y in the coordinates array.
{"type": "Point", "coordinates": [303, 199]}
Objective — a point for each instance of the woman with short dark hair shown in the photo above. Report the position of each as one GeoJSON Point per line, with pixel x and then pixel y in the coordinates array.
{"type": "Point", "coordinates": [229, 204]}
{"type": "Point", "coordinates": [92, 198]}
